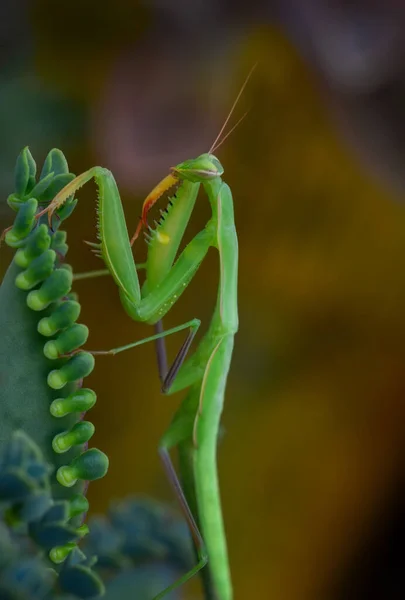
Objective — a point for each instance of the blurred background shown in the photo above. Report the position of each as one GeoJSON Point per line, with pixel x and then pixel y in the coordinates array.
{"type": "Point", "coordinates": [312, 459]}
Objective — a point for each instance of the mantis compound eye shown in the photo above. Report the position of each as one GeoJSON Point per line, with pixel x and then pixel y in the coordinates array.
{"type": "Point", "coordinates": [216, 165]}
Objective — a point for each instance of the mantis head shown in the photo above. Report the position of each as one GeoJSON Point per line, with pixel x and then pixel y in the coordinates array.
{"type": "Point", "coordinates": [204, 167]}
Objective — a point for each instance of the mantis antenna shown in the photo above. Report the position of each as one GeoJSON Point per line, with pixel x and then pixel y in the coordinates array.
{"type": "Point", "coordinates": [214, 146]}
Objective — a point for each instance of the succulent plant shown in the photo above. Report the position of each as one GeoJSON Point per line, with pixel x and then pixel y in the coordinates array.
{"type": "Point", "coordinates": [45, 462]}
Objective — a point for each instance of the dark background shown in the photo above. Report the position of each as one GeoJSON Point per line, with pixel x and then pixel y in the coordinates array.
{"type": "Point", "coordinates": [311, 463]}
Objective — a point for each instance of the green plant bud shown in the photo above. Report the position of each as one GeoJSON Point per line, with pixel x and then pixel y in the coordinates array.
{"type": "Point", "coordinates": [63, 316]}
{"type": "Point", "coordinates": [54, 162]}
{"type": "Point", "coordinates": [57, 184]}
{"type": "Point", "coordinates": [33, 173]}
{"type": "Point", "coordinates": [83, 530]}
{"type": "Point", "coordinates": [77, 367]}
{"type": "Point", "coordinates": [91, 465]}
{"type": "Point", "coordinates": [58, 238]}
{"type": "Point", "coordinates": [14, 202]}
{"type": "Point", "coordinates": [23, 223]}
{"type": "Point", "coordinates": [67, 341]}
{"type": "Point", "coordinates": [78, 505]}
{"type": "Point", "coordinates": [79, 401]}
{"type": "Point", "coordinates": [55, 287]}
{"type": "Point", "coordinates": [60, 553]}
{"type": "Point", "coordinates": [58, 242]}
{"type": "Point", "coordinates": [37, 242]}
{"type": "Point", "coordinates": [42, 186]}
{"type": "Point", "coordinates": [79, 434]}
{"type": "Point", "coordinates": [39, 269]}
{"type": "Point", "coordinates": [24, 173]}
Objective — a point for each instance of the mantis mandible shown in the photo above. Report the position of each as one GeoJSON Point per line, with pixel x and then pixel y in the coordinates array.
{"type": "Point", "coordinates": [195, 426]}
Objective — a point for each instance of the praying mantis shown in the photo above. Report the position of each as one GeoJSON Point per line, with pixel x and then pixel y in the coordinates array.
{"type": "Point", "coordinates": [195, 426]}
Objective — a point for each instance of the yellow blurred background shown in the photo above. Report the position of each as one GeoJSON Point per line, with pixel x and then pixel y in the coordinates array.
{"type": "Point", "coordinates": [313, 449]}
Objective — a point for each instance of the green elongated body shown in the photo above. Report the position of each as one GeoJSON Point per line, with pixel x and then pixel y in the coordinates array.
{"type": "Point", "coordinates": [198, 418]}
{"type": "Point", "coordinates": [211, 398]}
{"type": "Point", "coordinates": [195, 426]}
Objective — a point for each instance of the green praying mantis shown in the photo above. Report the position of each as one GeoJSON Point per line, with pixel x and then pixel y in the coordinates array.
{"type": "Point", "coordinates": [195, 426]}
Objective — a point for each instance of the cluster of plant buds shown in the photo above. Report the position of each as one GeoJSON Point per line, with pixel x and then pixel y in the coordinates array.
{"type": "Point", "coordinates": [47, 279]}
{"type": "Point", "coordinates": [28, 505]}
